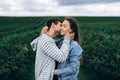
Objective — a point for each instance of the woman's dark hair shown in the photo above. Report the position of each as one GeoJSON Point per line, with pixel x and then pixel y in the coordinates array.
{"type": "Point", "coordinates": [74, 27]}
{"type": "Point", "coordinates": [55, 21]}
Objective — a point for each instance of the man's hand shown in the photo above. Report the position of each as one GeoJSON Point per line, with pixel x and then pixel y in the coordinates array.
{"type": "Point", "coordinates": [44, 30]}
{"type": "Point", "coordinates": [55, 72]}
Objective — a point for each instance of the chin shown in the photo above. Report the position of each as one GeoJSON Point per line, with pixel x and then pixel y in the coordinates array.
{"type": "Point", "coordinates": [62, 34]}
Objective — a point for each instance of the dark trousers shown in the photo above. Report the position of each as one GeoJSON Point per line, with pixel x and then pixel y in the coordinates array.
{"type": "Point", "coordinates": [55, 77]}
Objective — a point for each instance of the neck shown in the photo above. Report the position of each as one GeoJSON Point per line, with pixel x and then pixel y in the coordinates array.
{"type": "Point", "coordinates": [51, 33]}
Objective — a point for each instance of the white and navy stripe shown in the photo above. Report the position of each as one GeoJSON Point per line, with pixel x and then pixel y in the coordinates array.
{"type": "Point", "coordinates": [46, 54]}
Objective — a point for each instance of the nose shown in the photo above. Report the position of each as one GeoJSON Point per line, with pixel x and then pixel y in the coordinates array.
{"type": "Point", "coordinates": [60, 27]}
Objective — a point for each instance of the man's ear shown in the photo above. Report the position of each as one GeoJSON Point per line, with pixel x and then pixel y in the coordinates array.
{"type": "Point", "coordinates": [53, 25]}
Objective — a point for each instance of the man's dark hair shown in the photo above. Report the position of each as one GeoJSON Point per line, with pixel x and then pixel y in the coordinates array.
{"type": "Point", "coordinates": [55, 21]}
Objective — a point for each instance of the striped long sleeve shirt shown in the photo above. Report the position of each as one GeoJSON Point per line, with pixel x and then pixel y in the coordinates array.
{"type": "Point", "coordinates": [46, 54]}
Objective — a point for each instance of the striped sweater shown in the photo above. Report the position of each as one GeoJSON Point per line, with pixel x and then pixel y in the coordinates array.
{"type": "Point", "coordinates": [46, 54]}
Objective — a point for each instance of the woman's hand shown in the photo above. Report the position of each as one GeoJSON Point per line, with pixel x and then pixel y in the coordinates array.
{"type": "Point", "coordinates": [44, 30]}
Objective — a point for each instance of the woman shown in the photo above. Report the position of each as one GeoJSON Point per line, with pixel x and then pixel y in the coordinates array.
{"type": "Point", "coordinates": [69, 69]}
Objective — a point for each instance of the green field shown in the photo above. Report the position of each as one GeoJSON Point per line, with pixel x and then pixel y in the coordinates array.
{"type": "Point", "coordinates": [100, 42]}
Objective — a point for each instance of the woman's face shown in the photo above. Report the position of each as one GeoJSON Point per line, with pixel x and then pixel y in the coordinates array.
{"type": "Point", "coordinates": [65, 27]}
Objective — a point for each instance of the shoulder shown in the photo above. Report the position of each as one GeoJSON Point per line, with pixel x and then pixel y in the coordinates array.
{"type": "Point", "coordinates": [76, 47]}
{"type": "Point", "coordinates": [45, 38]}
{"type": "Point", "coordinates": [75, 44]}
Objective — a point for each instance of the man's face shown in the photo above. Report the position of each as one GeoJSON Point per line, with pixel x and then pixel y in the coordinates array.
{"type": "Point", "coordinates": [57, 28]}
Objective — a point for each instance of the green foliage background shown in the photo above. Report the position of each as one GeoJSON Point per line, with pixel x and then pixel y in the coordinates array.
{"type": "Point", "coordinates": [100, 37]}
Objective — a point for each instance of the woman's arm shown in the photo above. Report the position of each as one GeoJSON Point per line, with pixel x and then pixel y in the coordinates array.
{"type": "Point", "coordinates": [74, 63]}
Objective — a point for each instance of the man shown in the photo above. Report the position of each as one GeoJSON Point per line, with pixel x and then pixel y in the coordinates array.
{"type": "Point", "coordinates": [47, 51]}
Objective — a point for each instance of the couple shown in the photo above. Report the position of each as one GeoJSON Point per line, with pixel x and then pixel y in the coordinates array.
{"type": "Point", "coordinates": [66, 51]}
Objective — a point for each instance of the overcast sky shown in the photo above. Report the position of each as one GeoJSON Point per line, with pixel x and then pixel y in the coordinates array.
{"type": "Point", "coordinates": [59, 7]}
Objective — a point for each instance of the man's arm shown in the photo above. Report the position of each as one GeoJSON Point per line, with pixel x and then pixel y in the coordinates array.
{"type": "Point", "coordinates": [51, 50]}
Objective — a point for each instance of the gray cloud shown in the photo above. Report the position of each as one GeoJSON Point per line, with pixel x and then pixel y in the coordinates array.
{"type": "Point", "coordinates": [4, 7]}
{"type": "Point", "coordinates": [75, 2]}
{"type": "Point", "coordinates": [58, 7]}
